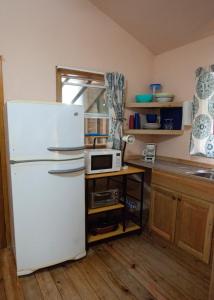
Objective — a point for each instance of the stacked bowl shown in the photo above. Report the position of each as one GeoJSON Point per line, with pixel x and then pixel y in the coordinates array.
{"type": "Point", "coordinates": [163, 97]}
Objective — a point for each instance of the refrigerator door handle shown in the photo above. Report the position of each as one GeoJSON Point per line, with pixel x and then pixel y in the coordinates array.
{"type": "Point", "coordinates": [66, 148]}
{"type": "Point", "coordinates": [68, 171]}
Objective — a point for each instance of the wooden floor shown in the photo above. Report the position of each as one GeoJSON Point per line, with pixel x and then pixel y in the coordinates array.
{"type": "Point", "coordinates": [137, 267]}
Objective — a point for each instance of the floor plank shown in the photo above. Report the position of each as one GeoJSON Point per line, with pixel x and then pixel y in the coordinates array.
{"type": "Point", "coordinates": [189, 262]}
{"type": "Point", "coordinates": [12, 286]}
{"type": "Point", "coordinates": [47, 285]}
{"type": "Point", "coordinates": [99, 285]}
{"type": "Point", "coordinates": [64, 284]}
{"type": "Point", "coordinates": [80, 282]}
{"type": "Point", "coordinates": [134, 287]}
{"type": "Point", "coordinates": [174, 278]}
{"type": "Point", "coordinates": [113, 279]}
{"type": "Point", "coordinates": [2, 290]}
{"type": "Point", "coordinates": [136, 268]}
{"type": "Point", "coordinates": [30, 286]}
{"type": "Point", "coordinates": [148, 279]}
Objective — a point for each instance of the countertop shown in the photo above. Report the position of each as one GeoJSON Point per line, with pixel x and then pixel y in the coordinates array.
{"type": "Point", "coordinates": [171, 167]}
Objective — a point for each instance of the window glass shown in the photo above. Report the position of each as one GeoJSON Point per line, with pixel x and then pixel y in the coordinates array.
{"type": "Point", "coordinates": [89, 93]}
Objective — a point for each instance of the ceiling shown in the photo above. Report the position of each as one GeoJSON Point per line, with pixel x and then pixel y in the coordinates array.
{"type": "Point", "coordinates": [162, 25]}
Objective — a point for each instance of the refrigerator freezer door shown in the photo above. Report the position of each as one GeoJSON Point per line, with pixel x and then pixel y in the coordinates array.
{"type": "Point", "coordinates": [44, 130]}
{"type": "Point", "coordinates": [48, 201]}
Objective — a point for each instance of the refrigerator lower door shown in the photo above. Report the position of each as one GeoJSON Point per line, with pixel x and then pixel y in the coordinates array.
{"type": "Point", "coordinates": [48, 204]}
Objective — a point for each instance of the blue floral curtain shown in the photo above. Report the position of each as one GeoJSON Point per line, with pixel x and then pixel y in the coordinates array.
{"type": "Point", "coordinates": [115, 94]}
{"type": "Point", "coordinates": [202, 138]}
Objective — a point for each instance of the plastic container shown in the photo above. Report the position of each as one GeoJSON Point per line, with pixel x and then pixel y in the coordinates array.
{"type": "Point", "coordinates": [136, 121]}
{"type": "Point", "coordinates": [131, 122]}
{"type": "Point", "coordinates": [144, 98]}
{"type": "Point", "coordinates": [155, 87]}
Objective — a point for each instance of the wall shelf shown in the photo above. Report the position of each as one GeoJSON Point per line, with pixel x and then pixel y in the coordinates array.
{"type": "Point", "coordinates": [154, 132]}
{"type": "Point", "coordinates": [154, 104]}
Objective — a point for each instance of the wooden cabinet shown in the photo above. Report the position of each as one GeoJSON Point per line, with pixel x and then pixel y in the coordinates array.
{"type": "Point", "coordinates": [194, 226]}
{"type": "Point", "coordinates": [163, 212]}
{"type": "Point", "coordinates": [180, 218]}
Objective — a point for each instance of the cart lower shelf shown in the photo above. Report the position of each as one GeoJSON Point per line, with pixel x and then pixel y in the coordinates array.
{"type": "Point", "coordinates": [92, 211]}
{"type": "Point", "coordinates": [119, 231]}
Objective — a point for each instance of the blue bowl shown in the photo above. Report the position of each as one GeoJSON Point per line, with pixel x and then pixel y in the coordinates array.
{"type": "Point", "coordinates": [144, 98]}
{"type": "Point", "coordinates": [151, 118]}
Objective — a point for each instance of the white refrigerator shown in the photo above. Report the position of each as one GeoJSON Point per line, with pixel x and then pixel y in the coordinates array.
{"type": "Point", "coordinates": [46, 164]}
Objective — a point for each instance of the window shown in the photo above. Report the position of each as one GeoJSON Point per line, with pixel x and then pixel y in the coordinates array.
{"type": "Point", "coordinates": [87, 89]}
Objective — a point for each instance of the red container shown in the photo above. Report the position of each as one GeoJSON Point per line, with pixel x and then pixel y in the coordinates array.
{"type": "Point", "coordinates": [131, 122]}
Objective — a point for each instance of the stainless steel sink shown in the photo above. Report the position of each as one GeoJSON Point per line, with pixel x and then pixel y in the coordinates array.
{"type": "Point", "coordinates": [203, 173]}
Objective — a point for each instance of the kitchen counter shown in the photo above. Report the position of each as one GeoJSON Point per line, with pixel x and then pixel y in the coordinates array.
{"type": "Point", "coordinates": [171, 167]}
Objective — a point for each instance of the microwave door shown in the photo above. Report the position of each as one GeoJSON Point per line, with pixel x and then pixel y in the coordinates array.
{"type": "Point", "coordinates": [101, 162]}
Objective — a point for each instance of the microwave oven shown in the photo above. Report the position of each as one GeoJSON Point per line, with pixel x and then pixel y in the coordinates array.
{"type": "Point", "coordinates": [102, 160]}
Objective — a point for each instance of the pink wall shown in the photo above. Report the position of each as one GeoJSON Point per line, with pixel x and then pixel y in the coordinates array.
{"type": "Point", "coordinates": [38, 35]}
{"type": "Point", "coordinates": [175, 70]}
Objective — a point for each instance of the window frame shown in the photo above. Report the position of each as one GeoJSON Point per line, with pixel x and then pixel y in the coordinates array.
{"type": "Point", "coordinates": [84, 74]}
{"type": "Point", "coordinates": [63, 71]}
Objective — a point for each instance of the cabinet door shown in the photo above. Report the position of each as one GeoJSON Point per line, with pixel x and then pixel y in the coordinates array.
{"type": "Point", "coordinates": [163, 212]}
{"type": "Point", "coordinates": [194, 226]}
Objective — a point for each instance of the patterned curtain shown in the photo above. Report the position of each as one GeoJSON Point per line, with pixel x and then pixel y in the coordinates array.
{"type": "Point", "coordinates": [115, 94]}
{"type": "Point", "coordinates": [202, 138]}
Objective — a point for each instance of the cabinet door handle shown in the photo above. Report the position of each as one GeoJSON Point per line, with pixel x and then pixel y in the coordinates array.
{"type": "Point", "coordinates": [179, 199]}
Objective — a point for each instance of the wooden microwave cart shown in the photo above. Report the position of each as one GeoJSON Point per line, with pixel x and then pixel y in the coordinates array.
{"type": "Point", "coordinates": [132, 177]}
